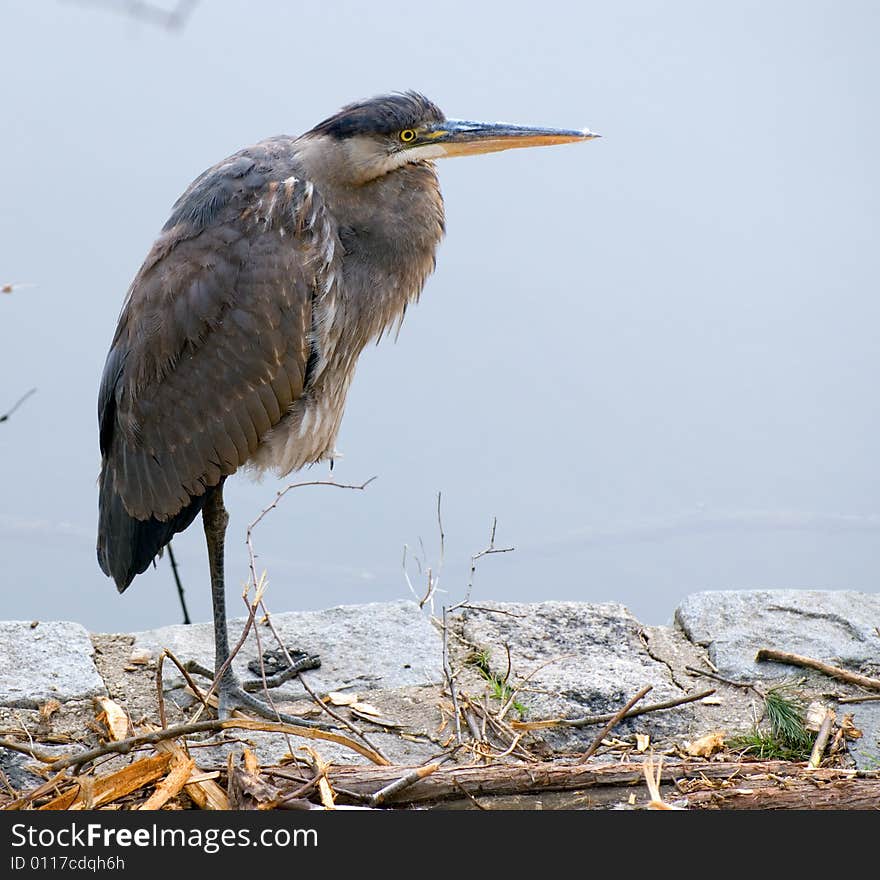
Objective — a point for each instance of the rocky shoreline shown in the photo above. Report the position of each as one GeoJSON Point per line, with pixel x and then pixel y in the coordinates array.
{"type": "Point", "coordinates": [550, 659]}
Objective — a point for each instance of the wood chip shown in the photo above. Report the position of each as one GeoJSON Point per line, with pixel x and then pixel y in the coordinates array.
{"type": "Point", "coordinates": [100, 790]}
{"type": "Point", "coordinates": [201, 789]}
{"type": "Point", "coordinates": [113, 717]}
{"type": "Point", "coordinates": [170, 786]}
{"type": "Point", "coordinates": [140, 657]}
{"type": "Point", "coordinates": [48, 709]}
{"type": "Point", "coordinates": [706, 745]}
{"type": "Point", "coordinates": [251, 764]}
{"type": "Point", "coordinates": [321, 766]}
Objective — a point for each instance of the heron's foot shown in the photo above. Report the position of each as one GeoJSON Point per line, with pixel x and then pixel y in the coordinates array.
{"type": "Point", "coordinates": [231, 695]}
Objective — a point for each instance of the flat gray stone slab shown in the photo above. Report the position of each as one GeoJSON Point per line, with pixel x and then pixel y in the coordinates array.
{"type": "Point", "coordinates": [52, 660]}
{"type": "Point", "coordinates": [580, 659]}
{"type": "Point", "coordinates": [381, 645]}
{"type": "Point", "coordinates": [835, 626]}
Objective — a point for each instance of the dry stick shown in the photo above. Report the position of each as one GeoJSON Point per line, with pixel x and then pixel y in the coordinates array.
{"type": "Point", "coordinates": [519, 777]}
{"type": "Point", "coordinates": [867, 698]}
{"type": "Point", "coordinates": [177, 581]}
{"type": "Point", "coordinates": [151, 13]}
{"type": "Point", "coordinates": [450, 678]}
{"type": "Point", "coordinates": [431, 579]}
{"type": "Point", "coordinates": [50, 785]}
{"type": "Point", "coordinates": [124, 746]}
{"type": "Point", "coordinates": [821, 739]}
{"type": "Point", "coordinates": [512, 699]}
{"type": "Point", "coordinates": [808, 662]}
{"type": "Point", "coordinates": [160, 690]}
{"type": "Point", "coordinates": [17, 404]}
{"type": "Point", "coordinates": [487, 551]}
{"type": "Point", "coordinates": [468, 795]}
{"type": "Point", "coordinates": [269, 699]}
{"type": "Point", "coordinates": [381, 796]}
{"type": "Point", "coordinates": [608, 727]}
{"type": "Point", "coordinates": [714, 675]}
{"type": "Point", "coordinates": [586, 720]}
{"type": "Point", "coordinates": [190, 682]}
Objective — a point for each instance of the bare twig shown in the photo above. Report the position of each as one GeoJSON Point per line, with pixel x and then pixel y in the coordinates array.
{"type": "Point", "coordinates": [821, 742]}
{"type": "Point", "coordinates": [173, 561]}
{"type": "Point", "coordinates": [587, 720]}
{"type": "Point", "coordinates": [432, 578]}
{"type": "Point", "coordinates": [381, 796]}
{"type": "Point", "coordinates": [865, 698]}
{"type": "Point", "coordinates": [150, 13]}
{"type": "Point", "coordinates": [184, 671]}
{"type": "Point", "coordinates": [124, 746]}
{"type": "Point", "coordinates": [513, 694]}
{"type": "Point", "coordinates": [450, 678]}
{"type": "Point", "coordinates": [612, 723]}
{"type": "Point", "coordinates": [486, 551]}
{"type": "Point", "coordinates": [17, 404]}
{"type": "Point", "coordinates": [160, 690]}
{"type": "Point", "coordinates": [48, 787]}
{"type": "Point", "coordinates": [809, 663]}
{"type": "Point", "coordinates": [468, 795]}
{"type": "Point", "coordinates": [716, 677]}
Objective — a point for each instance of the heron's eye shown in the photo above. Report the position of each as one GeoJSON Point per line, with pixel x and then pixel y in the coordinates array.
{"type": "Point", "coordinates": [407, 135]}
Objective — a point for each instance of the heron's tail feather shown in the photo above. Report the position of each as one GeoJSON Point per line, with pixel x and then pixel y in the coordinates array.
{"type": "Point", "coordinates": [127, 546]}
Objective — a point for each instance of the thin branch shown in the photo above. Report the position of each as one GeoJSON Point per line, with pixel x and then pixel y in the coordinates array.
{"type": "Point", "coordinates": [587, 720]}
{"type": "Point", "coordinates": [716, 677]}
{"type": "Point", "coordinates": [468, 795]}
{"type": "Point", "coordinates": [612, 723]}
{"type": "Point", "coordinates": [168, 19]}
{"type": "Point", "coordinates": [450, 678]}
{"type": "Point", "coordinates": [173, 561]}
{"type": "Point", "coordinates": [486, 551]}
{"type": "Point", "coordinates": [809, 663]}
{"type": "Point", "coordinates": [821, 742]}
{"type": "Point", "coordinates": [381, 796]}
{"type": "Point", "coordinates": [282, 492]}
{"type": "Point", "coordinates": [17, 404]}
{"type": "Point", "coordinates": [124, 746]}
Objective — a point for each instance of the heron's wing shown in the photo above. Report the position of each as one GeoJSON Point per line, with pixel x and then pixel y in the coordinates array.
{"type": "Point", "coordinates": [213, 344]}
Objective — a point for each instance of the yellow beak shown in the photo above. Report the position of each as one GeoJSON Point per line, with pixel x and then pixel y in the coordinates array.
{"type": "Point", "coordinates": [461, 138]}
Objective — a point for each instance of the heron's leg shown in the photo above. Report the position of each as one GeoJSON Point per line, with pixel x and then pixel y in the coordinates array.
{"type": "Point", "coordinates": [215, 519]}
{"type": "Point", "coordinates": [230, 694]}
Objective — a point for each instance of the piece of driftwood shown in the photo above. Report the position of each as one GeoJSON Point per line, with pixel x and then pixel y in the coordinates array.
{"type": "Point", "coordinates": [811, 663]}
{"type": "Point", "coordinates": [503, 779]}
{"type": "Point", "coordinates": [791, 794]}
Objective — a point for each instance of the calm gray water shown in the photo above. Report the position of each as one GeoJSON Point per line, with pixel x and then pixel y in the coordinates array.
{"type": "Point", "coordinates": [653, 357]}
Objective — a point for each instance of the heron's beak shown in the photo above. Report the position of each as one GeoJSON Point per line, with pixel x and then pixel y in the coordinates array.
{"type": "Point", "coordinates": [457, 137]}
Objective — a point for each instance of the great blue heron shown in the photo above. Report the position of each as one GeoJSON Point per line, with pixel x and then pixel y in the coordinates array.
{"type": "Point", "coordinates": [238, 338]}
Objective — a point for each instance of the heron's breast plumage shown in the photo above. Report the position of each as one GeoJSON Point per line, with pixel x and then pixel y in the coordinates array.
{"type": "Point", "coordinates": [370, 267]}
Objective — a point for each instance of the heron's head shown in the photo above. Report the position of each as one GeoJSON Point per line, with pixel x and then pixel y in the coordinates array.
{"type": "Point", "coordinates": [371, 138]}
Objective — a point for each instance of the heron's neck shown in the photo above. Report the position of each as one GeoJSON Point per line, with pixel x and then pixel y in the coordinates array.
{"type": "Point", "coordinates": [389, 229]}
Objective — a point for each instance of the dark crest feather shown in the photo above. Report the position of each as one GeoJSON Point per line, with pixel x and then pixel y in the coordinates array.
{"type": "Point", "coordinates": [385, 114]}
